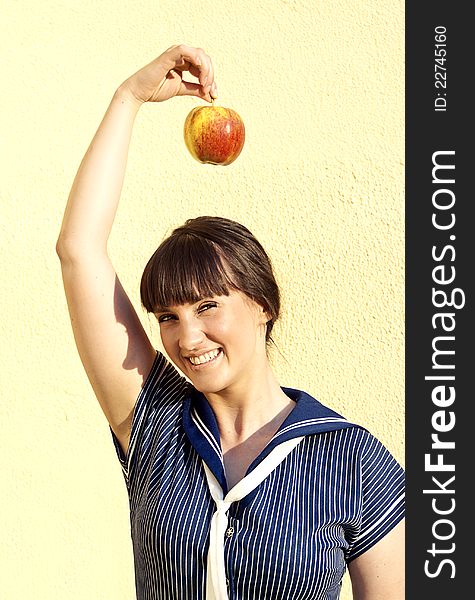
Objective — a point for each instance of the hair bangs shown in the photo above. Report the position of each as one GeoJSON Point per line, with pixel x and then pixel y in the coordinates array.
{"type": "Point", "coordinates": [184, 269]}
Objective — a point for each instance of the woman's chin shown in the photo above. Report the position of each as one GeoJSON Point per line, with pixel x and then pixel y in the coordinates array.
{"type": "Point", "coordinates": [207, 387]}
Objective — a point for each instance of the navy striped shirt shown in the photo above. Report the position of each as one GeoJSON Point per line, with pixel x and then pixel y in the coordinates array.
{"type": "Point", "coordinates": [334, 496]}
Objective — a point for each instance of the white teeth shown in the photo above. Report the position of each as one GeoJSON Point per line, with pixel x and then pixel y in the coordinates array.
{"type": "Point", "coordinates": [204, 358]}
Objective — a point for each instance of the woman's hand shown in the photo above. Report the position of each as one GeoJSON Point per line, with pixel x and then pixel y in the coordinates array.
{"type": "Point", "coordinates": [163, 77]}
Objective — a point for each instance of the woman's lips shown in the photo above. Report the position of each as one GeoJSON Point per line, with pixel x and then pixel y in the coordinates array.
{"type": "Point", "coordinates": [207, 363]}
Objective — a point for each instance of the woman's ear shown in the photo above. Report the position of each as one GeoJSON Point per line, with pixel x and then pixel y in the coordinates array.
{"type": "Point", "coordinates": [261, 313]}
{"type": "Point", "coordinates": [264, 315]}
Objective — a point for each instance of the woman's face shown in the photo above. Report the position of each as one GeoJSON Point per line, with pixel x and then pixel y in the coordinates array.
{"type": "Point", "coordinates": [218, 342]}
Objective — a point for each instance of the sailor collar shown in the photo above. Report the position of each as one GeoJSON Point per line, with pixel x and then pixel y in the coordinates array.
{"type": "Point", "coordinates": [308, 417]}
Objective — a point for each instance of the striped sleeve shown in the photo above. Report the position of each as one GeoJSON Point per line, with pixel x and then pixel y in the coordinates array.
{"type": "Point", "coordinates": [383, 493]}
{"type": "Point", "coordinates": [161, 391]}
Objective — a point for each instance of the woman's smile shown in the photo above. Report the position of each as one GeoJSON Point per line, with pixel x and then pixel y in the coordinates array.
{"type": "Point", "coordinates": [205, 360]}
{"type": "Point", "coordinates": [216, 341]}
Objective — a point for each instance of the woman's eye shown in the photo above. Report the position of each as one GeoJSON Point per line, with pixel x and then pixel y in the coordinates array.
{"type": "Point", "coordinates": [164, 318]}
{"type": "Point", "coordinates": [207, 306]}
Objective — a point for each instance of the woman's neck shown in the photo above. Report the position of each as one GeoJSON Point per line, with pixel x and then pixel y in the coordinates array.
{"type": "Point", "coordinates": [251, 408]}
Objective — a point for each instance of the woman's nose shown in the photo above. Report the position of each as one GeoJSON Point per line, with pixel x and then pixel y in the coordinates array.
{"type": "Point", "coordinates": [190, 334]}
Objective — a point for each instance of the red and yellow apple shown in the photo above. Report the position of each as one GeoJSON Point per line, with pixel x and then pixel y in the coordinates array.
{"type": "Point", "coordinates": [214, 134]}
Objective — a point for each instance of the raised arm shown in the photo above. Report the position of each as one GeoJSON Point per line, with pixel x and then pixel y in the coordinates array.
{"type": "Point", "coordinates": [113, 346]}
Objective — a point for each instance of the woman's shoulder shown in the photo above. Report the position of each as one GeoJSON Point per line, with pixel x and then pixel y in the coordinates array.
{"type": "Point", "coordinates": [347, 433]}
{"type": "Point", "coordinates": [312, 416]}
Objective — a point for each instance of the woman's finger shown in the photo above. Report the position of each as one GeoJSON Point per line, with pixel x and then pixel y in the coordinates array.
{"type": "Point", "coordinates": [196, 73]}
{"type": "Point", "coordinates": [207, 73]}
{"type": "Point", "coordinates": [210, 81]}
{"type": "Point", "coordinates": [184, 53]}
{"type": "Point", "coordinates": [193, 89]}
{"type": "Point", "coordinates": [199, 64]}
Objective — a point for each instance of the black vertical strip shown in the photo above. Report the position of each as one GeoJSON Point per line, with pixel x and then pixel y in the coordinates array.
{"type": "Point", "coordinates": [440, 269]}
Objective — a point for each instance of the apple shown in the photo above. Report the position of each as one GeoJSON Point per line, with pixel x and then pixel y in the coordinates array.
{"type": "Point", "coordinates": [214, 134]}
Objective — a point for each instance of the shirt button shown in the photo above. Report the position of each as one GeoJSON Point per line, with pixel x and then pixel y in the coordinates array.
{"type": "Point", "coordinates": [227, 582]}
{"type": "Point", "coordinates": [229, 532]}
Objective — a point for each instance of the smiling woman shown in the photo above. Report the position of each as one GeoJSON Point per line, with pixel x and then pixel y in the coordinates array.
{"type": "Point", "coordinates": [217, 343]}
{"type": "Point", "coordinates": [238, 487]}
{"type": "Point", "coordinates": [210, 256]}
{"type": "Point", "coordinates": [211, 279]}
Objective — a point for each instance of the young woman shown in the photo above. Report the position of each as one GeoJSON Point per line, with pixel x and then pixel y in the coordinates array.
{"type": "Point", "coordinates": [238, 488]}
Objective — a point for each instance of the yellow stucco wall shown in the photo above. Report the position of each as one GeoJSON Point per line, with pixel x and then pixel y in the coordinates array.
{"type": "Point", "coordinates": [319, 85]}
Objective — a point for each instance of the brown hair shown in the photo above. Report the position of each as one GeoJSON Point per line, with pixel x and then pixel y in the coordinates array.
{"type": "Point", "coordinates": [209, 256]}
